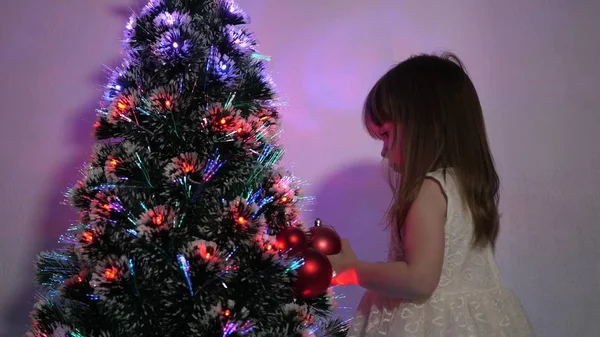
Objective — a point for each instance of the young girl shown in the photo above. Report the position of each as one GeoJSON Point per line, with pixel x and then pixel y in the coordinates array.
{"type": "Point", "coordinates": [441, 278]}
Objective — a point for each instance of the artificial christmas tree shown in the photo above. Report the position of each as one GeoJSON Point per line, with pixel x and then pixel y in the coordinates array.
{"type": "Point", "coordinates": [181, 201]}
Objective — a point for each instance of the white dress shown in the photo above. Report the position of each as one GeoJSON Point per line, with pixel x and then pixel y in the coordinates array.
{"type": "Point", "coordinates": [470, 300]}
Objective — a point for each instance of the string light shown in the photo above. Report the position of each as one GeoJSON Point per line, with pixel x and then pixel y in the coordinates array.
{"type": "Point", "coordinates": [87, 237]}
{"type": "Point", "coordinates": [185, 267]}
{"type": "Point", "coordinates": [158, 219]}
{"type": "Point", "coordinates": [110, 273]}
{"type": "Point", "coordinates": [187, 167]}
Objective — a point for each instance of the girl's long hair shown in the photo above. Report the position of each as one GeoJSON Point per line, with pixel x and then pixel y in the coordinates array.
{"type": "Point", "coordinates": [436, 105]}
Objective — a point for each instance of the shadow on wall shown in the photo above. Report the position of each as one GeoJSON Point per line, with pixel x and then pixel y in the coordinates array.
{"type": "Point", "coordinates": [354, 200]}
{"type": "Point", "coordinates": [55, 216]}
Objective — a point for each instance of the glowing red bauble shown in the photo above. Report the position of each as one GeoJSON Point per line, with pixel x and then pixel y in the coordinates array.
{"type": "Point", "coordinates": [325, 239]}
{"type": "Point", "coordinates": [292, 240]}
{"type": "Point", "coordinates": [314, 277]}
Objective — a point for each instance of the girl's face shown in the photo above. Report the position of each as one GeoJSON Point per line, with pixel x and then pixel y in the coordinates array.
{"type": "Point", "coordinates": [385, 133]}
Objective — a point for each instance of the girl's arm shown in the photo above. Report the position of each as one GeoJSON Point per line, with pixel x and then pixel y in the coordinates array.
{"type": "Point", "coordinates": [423, 241]}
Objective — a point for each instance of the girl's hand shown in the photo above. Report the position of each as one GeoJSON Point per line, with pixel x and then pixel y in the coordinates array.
{"type": "Point", "coordinates": [344, 265]}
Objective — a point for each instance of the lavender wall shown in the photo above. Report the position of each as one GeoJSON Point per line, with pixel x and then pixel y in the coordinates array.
{"type": "Point", "coordinates": [535, 64]}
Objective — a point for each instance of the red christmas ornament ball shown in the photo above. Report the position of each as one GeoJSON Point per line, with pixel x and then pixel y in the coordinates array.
{"type": "Point", "coordinates": [314, 277]}
{"type": "Point", "coordinates": [325, 239]}
{"type": "Point", "coordinates": [292, 240]}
